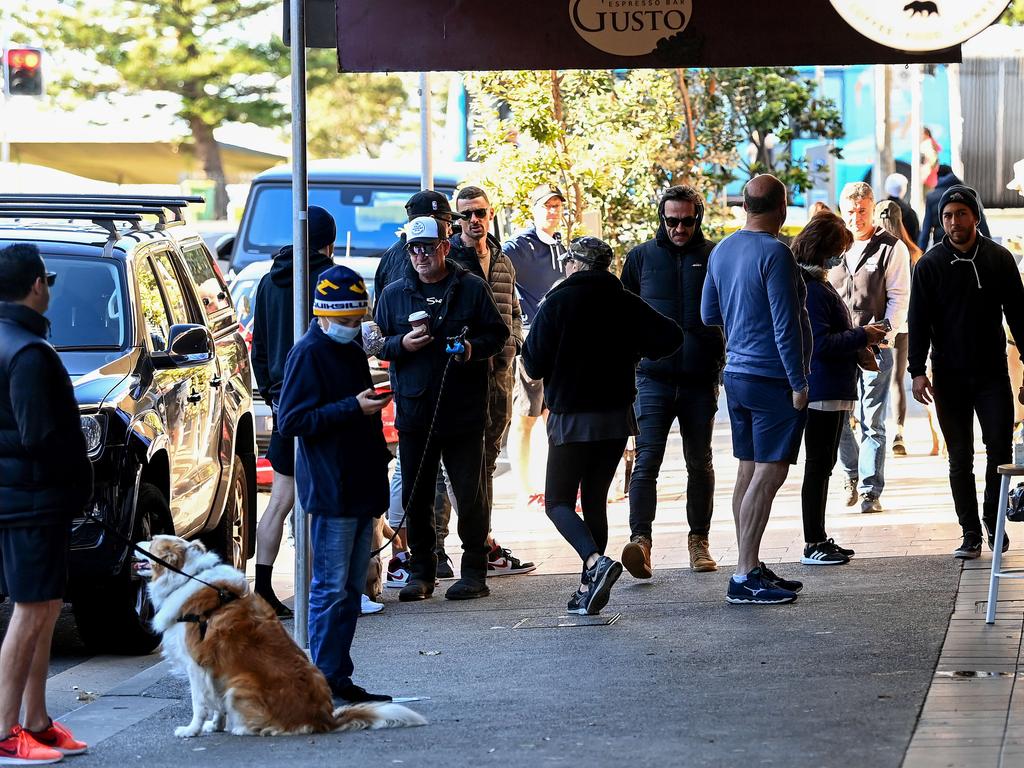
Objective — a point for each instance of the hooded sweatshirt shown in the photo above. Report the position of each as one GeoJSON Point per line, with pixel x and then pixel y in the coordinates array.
{"type": "Point", "coordinates": [273, 319]}
{"type": "Point", "coordinates": [537, 261]}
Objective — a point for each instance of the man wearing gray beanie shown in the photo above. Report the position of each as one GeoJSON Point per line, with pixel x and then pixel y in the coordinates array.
{"type": "Point", "coordinates": [963, 289]}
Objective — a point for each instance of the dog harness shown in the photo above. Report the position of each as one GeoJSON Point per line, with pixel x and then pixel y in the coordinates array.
{"type": "Point", "coordinates": [203, 619]}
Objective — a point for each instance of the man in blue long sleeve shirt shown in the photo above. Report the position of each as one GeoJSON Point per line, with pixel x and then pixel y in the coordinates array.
{"type": "Point", "coordinates": [754, 290]}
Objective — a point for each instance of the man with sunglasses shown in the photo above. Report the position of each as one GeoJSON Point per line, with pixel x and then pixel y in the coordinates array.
{"type": "Point", "coordinates": [45, 481]}
{"type": "Point", "coordinates": [458, 304]}
{"type": "Point", "coordinates": [668, 272]}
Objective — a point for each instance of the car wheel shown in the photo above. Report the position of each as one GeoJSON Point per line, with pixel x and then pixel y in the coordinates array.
{"type": "Point", "coordinates": [113, 614]}
{"type": "Point", "coordinates": [230, 539]}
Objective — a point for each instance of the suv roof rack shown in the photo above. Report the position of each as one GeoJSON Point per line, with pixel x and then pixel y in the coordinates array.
{"type": "Point", "coordinates": [173, 203]}
{"type": "Point", "coordinates": [104, 219]}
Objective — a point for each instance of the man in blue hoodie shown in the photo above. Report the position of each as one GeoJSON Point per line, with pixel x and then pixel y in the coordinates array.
{"type": "Point", "coordinates": [327, 401]}
{"type": "Point", "coordinates": [754, 290]}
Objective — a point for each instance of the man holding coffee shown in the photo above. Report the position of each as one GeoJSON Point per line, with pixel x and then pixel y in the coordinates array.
{"type": "Point", "coordinates": [436, 423]}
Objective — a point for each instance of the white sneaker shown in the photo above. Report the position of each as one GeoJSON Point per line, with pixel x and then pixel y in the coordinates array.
{"type": "Point", "coordinates": [369, 606]}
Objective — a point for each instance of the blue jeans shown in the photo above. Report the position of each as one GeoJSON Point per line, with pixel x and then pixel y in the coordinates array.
{"type": "Point", "coordinates": [341, 555]}
{"type": "Point", "coordinates": [866, 460]}
{"type": "Point", "coordinates": [658, 404]}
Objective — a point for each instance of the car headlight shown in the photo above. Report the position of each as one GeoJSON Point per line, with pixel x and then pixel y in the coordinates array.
{"type": "Point", "coordinates": [92, 428]}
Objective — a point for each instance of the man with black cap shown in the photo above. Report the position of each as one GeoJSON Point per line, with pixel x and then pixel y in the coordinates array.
{"type": "Point", "coordinates": [395, 260]}
{"type": "Point", "coordinates": [328, 402]}
{"type": "Point", "coordinates": [535, 254]}
{"type": "Point", "coordinates": [441, 400]}
{"type": "Point", "coordinates": [273, 321]}
{"type": "Point", "coordinates": [45, 481]}
{"type": "Point", "coordinates": [932, 230]}
{"type": "Point", "coordinates": [963, 289]}
{"type": "Point", "coordinates": [668, 273]}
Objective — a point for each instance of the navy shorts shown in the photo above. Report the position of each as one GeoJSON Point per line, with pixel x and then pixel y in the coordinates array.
{"type": "Point", "coordinates": [281, 453]}
{"type": "Point", "coordinates": [34, 562]}
{"type": "Point", "coordinates": [765, 425]}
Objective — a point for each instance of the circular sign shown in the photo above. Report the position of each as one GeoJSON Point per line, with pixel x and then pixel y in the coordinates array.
{"type": "Point", "coordinates": [629, 28]}
{"type": "Point", "coordinates": [920, 25]}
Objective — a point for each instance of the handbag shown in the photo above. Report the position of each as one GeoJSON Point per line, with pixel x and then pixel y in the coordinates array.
{"type": "Point", "coordinates": [866, 360]}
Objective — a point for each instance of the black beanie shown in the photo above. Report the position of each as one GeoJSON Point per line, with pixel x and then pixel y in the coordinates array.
{"type": "Point", "coordinates": [960, 193]}
{"type": "Point", "coordinates": [322, 231]}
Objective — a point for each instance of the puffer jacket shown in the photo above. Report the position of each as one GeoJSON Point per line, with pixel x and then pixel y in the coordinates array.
{"type": "Point", "coordinates": [502, 281]}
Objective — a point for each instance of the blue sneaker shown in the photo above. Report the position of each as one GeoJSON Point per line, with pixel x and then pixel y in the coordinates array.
{"type": "Point", "coordinates": [791, 585]}
{"type": "Point", "coordinates": [757, 590]}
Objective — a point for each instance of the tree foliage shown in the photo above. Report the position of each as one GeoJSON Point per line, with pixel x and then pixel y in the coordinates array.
{"type": "Point", "coordinates": [1014, 15]}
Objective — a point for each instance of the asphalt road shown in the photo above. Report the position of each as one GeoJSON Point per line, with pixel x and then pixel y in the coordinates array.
{"type": "Point", "coordinates": [680, 678]}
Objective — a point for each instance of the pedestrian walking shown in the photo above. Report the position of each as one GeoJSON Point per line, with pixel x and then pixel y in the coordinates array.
{"type": "Point", "coordinates": [754, 291]}
{"type": "Point", "coordinates": [453, 309]}
{"type": "Point", "coordinates": [272, 331]}
{"type": "Point", "coordinates": [45, 481]}
{"type": "Point", "coordinates": [963, 289]}
{"type": "Point", "coordinates": [873, 279]}
{"type": "Point", "coordinates": [668, 272]}
{"type": "Point", "coordinates": [327, 401]}
{"type": "Point", "coordinates": [585, 342]}
{"type": "Point", "coordinates": [535, 254]}
{"type": "Point", "coordinates": [832, 384]}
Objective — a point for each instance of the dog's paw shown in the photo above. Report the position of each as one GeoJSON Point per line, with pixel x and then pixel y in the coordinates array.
{"type": "Point", "coordinates": [241, 730]}
{"type": "Point", "coordinates": [187, 731]}
{"type": "Point", "coordinates": [216, 725]}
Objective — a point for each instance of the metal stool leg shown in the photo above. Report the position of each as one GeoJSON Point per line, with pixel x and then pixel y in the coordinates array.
{"type": "Point", "coordinates": [997, 550]}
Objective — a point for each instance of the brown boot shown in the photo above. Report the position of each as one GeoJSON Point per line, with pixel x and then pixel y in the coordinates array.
{"type": "Point", "coordinates": [636, 556]}
{"type": "Point", "coordinates": [700, 558]}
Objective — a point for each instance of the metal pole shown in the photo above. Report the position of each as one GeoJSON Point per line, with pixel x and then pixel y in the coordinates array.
{"type": "Point", "coordinates": [956, 120]}
{"type": "Point", "coordinates": [300, 266]}
{"type": "Point", "coordinates": [5, 117]}
{"type": "Point", "coordinates": [426, 134]}
{"type": "Point", "coordinates": [916, 179]}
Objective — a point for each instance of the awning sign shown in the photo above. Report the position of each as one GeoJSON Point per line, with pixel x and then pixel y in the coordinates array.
{"type": "Point", "coordinates": [920, 25]}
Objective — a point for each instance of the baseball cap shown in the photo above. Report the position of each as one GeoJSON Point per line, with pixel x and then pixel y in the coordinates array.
{"type": "Point", "coordinates": [590, 250]}
{"type": "Point", "coordinates": [544, 192]}
{"type": "Point", "coordinates": [430, 203]}
{"type": "Point", "coordinates": [422, 229]}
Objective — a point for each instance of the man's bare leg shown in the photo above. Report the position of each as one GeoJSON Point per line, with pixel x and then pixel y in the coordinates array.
{"type": "Point", "coordinates": [34, 699]}
{"type": "Point", "coordinates": [744, 473]}
{"type": "Point", "coordinates": [30, 622]}
{"type": "Point", "coordinates": [268, 537]}
{"type": "Point", "coordinates": [520, 431]}
{"type": "Point", "coordinates": [754, 510]}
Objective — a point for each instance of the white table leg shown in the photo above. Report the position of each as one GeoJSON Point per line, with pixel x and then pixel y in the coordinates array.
{"type": "Point", "coordinates": [997, 550]}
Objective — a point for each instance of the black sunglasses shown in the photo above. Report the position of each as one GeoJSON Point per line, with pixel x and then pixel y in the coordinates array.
{"type": "Point", "coordinates": [50, 278]}
{"type": "Point", "coordinates": [672, 222]}
{"type": "Point", "coordinates": [480, 213]}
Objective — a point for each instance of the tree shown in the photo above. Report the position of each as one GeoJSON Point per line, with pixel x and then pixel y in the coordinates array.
{"type": "Point", "coordinates": [185, 47]}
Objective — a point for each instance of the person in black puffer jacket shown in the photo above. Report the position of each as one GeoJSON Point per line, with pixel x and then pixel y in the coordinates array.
{"type": "Point", "coordinates": [668, 272]}
{"type": "Point", "coordinates": [832, 384]}
{"type": "Point", "coordinates": [585, 343]}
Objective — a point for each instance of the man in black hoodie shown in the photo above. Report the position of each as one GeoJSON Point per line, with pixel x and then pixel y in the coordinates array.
{"type": "Point", "coordinates": [273, 320]}
{"type": "Point", "coordinates": [668, 273]}
{"type": "Point", "coordinates": [932, 230]}
{"type": "Point", "coordinates": [962, 290]}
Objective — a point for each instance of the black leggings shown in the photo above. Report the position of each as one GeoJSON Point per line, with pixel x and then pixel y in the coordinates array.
{"type": "Point", "coordinates": [821, 446]}
{"type": "Point", "coordinates": [589, 469]}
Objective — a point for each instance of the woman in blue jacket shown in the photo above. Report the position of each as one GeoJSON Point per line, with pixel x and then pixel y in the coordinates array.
{"type": "Point", "coordinates": [833, 380]}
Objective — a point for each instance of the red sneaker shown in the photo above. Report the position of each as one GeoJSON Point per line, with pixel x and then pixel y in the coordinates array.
{"type": "Point", "coordinates": [19, 748]}
{"type": "Point", "coordinates": [59, 738]}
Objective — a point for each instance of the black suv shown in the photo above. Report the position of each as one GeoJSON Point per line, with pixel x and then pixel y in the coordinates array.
{"type": "Point", "coordinates": [143, 321]}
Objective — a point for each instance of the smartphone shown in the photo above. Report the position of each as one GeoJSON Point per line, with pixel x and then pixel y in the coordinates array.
{"type": "Point", "coordinates": [383, 394]}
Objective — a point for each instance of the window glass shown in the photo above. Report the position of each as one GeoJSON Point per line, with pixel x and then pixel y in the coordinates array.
{"type": "Point", "coordinates": [86, 304]}
{"type": "Point", "coordinates": [153, 309]}
{"type": "Point", "coordinates": [172, 288]}
{"type": "Point", "coordinates": [212, 292]}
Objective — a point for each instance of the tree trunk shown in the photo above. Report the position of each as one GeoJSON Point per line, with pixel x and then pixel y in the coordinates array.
{"type": "Point", "coordinates": [575, 207]}
{"type": "Point", "coordinates": [208, 151]}
{"type": "Point", "coordinates": [684, 89]}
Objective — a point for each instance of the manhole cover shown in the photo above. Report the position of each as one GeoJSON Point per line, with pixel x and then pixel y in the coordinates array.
{"type": "Point", "coordinates": [557, 622]}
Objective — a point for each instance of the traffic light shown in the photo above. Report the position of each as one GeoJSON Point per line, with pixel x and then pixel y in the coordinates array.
{"type": "Point", "coordinates": [23, 72]}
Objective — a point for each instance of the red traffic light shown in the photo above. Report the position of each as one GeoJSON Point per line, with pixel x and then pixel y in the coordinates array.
{"type": "Point", "coordinates": [23, 72]}
{"type": "Point", "coordinates": [23, 58]}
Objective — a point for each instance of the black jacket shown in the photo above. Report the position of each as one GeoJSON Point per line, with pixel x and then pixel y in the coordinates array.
{"type": "Point", "coordinates": [45, 473]}
{"type": "Point", "coordinates": [273, 319]}
{"type": "Point", "coordinates": [588, 337]}
{"type": "Point", "coordinates": [392, 266]}
{"type": "Point", "coordinates": [671, 279]}
{"type": "Point", "coordinates": [342, 468]}
{"type": "Point", "coordinates": [416, 376]}
{"type": "Point", "coordinates": [962, 324]}
{"type": "Point", "coordinates": [931, 230]}
{"type": "Point", "coordinates": [910, 220]}
{"type": "Point", "coordinates": [833, 373]}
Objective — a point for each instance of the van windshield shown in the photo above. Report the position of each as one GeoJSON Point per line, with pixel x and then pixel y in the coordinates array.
{"type": "Point", "coordinates": [370, 216]}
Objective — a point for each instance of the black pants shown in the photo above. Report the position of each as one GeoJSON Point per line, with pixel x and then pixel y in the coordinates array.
{"type": "Point", "coordinates": [589, 469]}
{"type": "Point", "coordinates": [821, 448]}
{"type": "Point", "coordinates": [958, 398]}
{"type": "Point", "coordinates": [463, 458]}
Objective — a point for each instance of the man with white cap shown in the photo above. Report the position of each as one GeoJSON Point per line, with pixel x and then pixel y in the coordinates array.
{"type": "Point", "coordinates": [441, 389]}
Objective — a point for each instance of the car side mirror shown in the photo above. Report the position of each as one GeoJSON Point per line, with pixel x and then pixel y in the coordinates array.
{"type": "Point", "coordinates": [187, 344]}
{"type": "Point", "coordinates": [224, 246]}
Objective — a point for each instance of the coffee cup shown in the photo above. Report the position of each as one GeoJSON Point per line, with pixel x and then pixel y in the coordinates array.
{"type": "Point", "coordinates": [420, 319]}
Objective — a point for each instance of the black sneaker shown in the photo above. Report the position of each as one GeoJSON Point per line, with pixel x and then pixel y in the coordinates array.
{"type": "Point", "coordinates": [578, 603]}
{"type": "Point", "coordinates": [354, 694]}
{"type": "Point", "coordinates": [991, 536]}
{"type": "Point", "coordinates": [842, 550]}
{"type": "Point", "coordinates": [416, 589]}
{"type": "Point", "coordinates": [823, 553]}
{"type": "Point", "coordinates": [279, 608]}
{"type": "Point", "coordinates": [501, 562]}
{"type": "Point", "coordinates": [601, 578]}
{"type": "Point", "coordinates": [444, 566]}
{"type": "Point", "coordinates": [969, 548]}
{"type": "Point", "coordinates": [790, 585]}
{"type": "Point", "coordinates": [467, 589]}
{"type": "Point", "coordinates": [757, 590]}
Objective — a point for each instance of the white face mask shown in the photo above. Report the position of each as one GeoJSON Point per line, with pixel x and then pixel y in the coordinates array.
{"type": "Point", "coordinates": [342, 333]}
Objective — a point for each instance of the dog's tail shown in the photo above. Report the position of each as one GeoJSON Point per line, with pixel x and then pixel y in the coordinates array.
{"type": "Point", "coordinates": [373, 716]}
